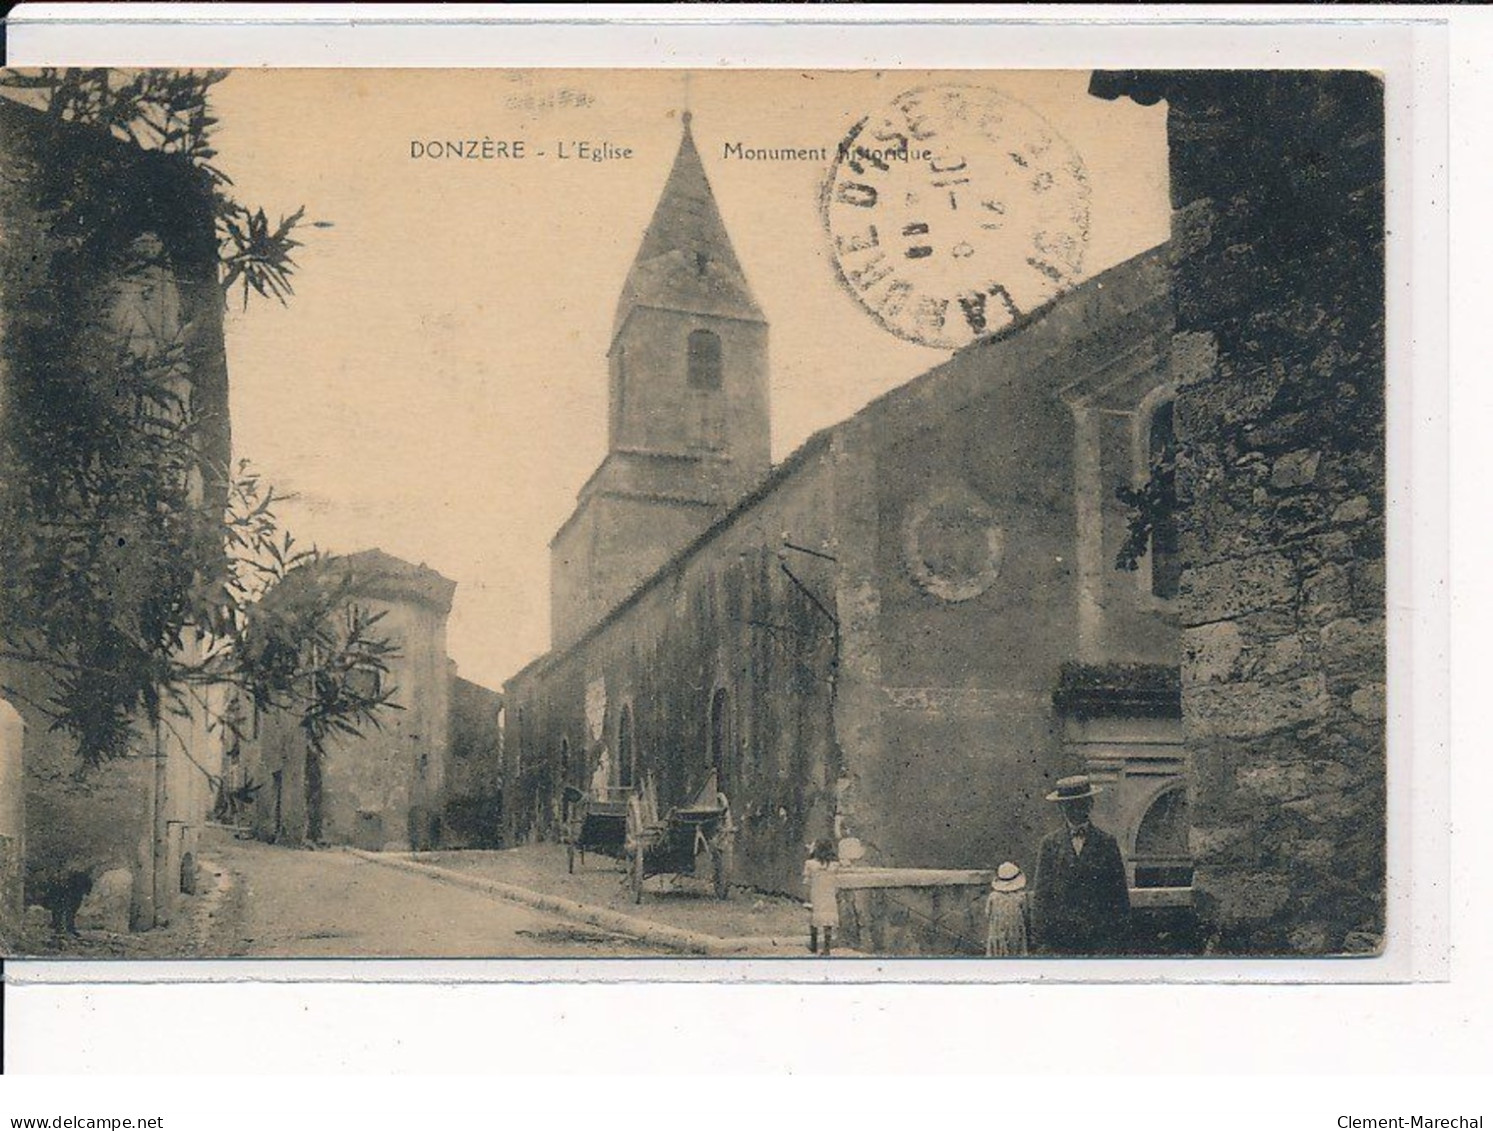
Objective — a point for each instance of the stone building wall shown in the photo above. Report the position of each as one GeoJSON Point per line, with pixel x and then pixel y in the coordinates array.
{"type": "Point", "coordinates": [1278, 189]}
{"type": "Point", "coordinates": [976, 536]}
{"type": "Point", "coordinates": [384, 787]}
{"type": "Point", "coordinates": [136, 815]}
{"type": "Point", "coordinates": [381, 788]}
{"type": "Point", "coordinates": [473, 809]}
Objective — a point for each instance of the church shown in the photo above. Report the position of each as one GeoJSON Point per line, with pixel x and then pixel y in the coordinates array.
{"type": "Point", "coordinates": [899, 635]}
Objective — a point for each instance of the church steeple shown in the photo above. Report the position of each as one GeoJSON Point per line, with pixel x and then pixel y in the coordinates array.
{"type": "Point", "coordinates": [688, 433]}
{"type": "Point", "coordinates": [686, 261]}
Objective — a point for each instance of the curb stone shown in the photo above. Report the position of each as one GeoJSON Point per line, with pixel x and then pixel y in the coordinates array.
{"type": "Point", "coordinates": [206, 916]}
{"type": "Point", "coordinates": [645, 930]}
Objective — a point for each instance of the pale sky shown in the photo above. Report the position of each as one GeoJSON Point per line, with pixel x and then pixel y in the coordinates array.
{"type": "Point", "coordinates": [437, 386]}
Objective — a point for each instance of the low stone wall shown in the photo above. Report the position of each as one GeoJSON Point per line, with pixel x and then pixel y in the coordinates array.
{"type": "Point", "coordinates": [927, 911]}
{"type": "Point", "coordinates": [913, 911]}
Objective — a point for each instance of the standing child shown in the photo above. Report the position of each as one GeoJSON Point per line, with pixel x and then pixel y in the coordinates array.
{"type": "Point", "coordinates": [824, 906]}
{"type": "Point", "coordinates": [1006, 909]}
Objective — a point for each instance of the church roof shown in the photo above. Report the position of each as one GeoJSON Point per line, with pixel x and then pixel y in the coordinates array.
{"type": "Point", "coordinates": [686, 261]}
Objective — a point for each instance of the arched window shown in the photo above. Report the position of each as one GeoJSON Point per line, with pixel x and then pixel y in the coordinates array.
{"type": "Point", "coordinates": [720, 738]}
{"type": "Point", "coordinates": [1162, 856]}
{"type": "Point", "coordinates": [704, 360]}
{"type": "Point", "coordinates": [707, 405]}
{"type": "Point", "coordinates": [626, 750]}
{"type": "Point", "coordinates": [1161, 448]}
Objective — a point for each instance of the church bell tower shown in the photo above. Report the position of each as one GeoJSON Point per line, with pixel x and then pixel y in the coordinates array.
{"type": "Point", "coordinates": [688, 431]}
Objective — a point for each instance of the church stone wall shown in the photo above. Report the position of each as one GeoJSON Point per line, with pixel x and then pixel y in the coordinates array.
{"type": "Point", "coordinates": [725, 617]}
{"type": "Point", "coordinates": [12, 823]}
{"type": "Point", "coordinates": [968, 601]}
{"type": "Point", "coordinates": [930, 671]}
{"type": "Point", "coordinates": [606, 551]}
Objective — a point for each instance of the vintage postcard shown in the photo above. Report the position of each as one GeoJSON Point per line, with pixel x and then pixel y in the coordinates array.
{"type": "Point", "coordinates": [813, 515]}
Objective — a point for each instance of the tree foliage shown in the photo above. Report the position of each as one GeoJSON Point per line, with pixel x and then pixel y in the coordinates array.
{"type": "Point", "coordinates": [139, 569]}
{"type": "Point", "coordinates": [1151, 507]}
{"type": "Point", "coordinates": [168, 112]}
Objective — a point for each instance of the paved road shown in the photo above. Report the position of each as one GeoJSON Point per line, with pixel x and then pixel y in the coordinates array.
{"type": "Point", "coordinates": [287, 902]}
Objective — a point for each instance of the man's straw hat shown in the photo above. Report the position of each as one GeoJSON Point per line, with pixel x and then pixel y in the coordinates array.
{"type": "Point", "coordinates": [1073, 789]}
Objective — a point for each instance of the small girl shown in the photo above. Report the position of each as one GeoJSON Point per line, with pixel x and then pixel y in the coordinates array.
{"type": "Point", "coordinates": [824, 909]}
{"type": "Point", "coordinates": [1006, 908]}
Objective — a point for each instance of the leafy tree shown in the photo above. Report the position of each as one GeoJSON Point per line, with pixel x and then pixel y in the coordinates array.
{"type": "Point", "coordinates": [138, 570]}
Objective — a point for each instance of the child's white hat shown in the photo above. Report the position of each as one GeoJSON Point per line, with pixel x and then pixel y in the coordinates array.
{"type": "Point", "coordinates": [1008, 877]}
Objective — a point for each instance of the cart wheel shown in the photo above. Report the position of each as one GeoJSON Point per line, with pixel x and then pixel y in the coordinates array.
{"type": "Point", "coordinates": [637, 872]}
{"type": "Point", "coordinates": [570, 858]}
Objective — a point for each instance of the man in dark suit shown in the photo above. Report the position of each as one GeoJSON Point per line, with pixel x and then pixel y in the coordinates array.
{"type": "Point", "coordinates": [1081, 901]}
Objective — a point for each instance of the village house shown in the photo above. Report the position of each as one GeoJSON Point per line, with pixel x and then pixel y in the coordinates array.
{"type": "Point", "coordinates": [435, 746]}
{"type": "Point", "coordinates": [901, 634]}
{"type": "Point", "coordinates": [473, 810]}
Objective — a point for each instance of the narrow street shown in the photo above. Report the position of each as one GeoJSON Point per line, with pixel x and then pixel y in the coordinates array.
{"type": "Point", "coordinates": [293, 903]}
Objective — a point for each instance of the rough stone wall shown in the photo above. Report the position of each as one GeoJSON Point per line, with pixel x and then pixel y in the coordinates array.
{"type": "Point", "coordinates": [918, 916]}
{"type": "Point", "coordinates": [1277, 182]}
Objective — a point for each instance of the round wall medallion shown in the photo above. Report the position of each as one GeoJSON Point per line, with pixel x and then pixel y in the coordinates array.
{"type": "Point", "coordinates": [953, 545]}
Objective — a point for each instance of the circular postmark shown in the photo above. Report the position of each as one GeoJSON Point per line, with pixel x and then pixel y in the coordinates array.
{"type": "Point", "coordinates": [954, 211]}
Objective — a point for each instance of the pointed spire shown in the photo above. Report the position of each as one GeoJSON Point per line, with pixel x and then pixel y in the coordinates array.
{"type": "Point", "coordinates": [686, 261]}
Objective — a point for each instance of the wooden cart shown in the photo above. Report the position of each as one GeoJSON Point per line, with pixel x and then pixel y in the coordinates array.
{"type": "Point", "coordinates": [594, 823]}
{"type": "Point", "coordinates": [685, 842]}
